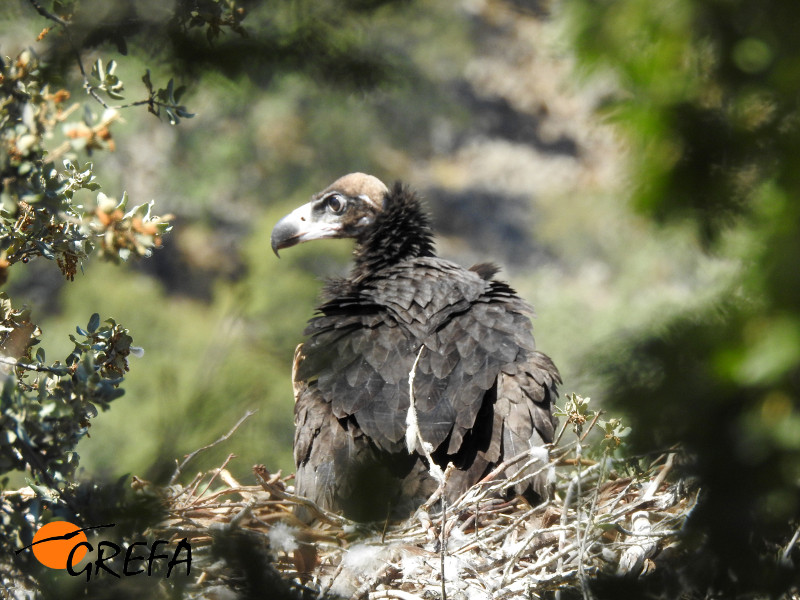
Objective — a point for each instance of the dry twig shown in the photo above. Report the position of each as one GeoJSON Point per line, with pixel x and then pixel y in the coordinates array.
{"type": "Point", "coordinates": [500, 549]}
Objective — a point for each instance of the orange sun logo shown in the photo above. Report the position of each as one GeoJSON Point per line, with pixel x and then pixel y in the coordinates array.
{"type": "Point", "coordinates": [55, 540]}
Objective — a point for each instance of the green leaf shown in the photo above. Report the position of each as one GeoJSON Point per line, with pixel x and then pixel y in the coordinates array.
{"type": "Point", "coordinates": [147, 81]}
{"type": "Point", "coordinates": [97, 70]}
{"type": "Point", "coordinates": [94, 323]}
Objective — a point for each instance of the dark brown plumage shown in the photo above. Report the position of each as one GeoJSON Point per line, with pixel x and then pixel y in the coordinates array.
{"type": "Point", "coordinates": [482, 392]}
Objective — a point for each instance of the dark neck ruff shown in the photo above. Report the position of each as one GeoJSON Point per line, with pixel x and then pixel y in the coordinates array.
{"type": "Point", "coordinates": [401, 231]}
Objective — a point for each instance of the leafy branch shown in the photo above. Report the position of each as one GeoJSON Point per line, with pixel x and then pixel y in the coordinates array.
{"type": "Point", "coordinates": [103, 79]}
{"type": "Point", "coordinates": [215, 15]}
{"type": "Point", "coordinates": [69, 392]}
{"type": "Point", "coordinates": [51, 206]}
{"type": "Point", "coordinates": [43, 210]}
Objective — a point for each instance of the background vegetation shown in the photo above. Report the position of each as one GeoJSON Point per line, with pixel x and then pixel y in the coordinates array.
{"type": "Point", "coordinates": [631, 165]}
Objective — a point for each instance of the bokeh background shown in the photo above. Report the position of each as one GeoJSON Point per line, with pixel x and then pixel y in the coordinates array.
{"type": "Point", "coordinates": [631, 165]}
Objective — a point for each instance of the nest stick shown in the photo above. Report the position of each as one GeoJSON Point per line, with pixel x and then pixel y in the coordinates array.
{"type": "Point", "coordinates": [191, 455]}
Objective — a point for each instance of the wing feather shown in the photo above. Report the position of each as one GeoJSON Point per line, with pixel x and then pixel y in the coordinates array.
{"type": "Point", "coordinates": [481, 391]}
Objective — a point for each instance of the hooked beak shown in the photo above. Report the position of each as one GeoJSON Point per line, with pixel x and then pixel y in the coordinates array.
{"type": "Point", "coordinates": [298, 227]}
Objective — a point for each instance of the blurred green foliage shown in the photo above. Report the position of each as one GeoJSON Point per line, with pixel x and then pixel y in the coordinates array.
{"type": "Point", "coordinates": [708, 101]}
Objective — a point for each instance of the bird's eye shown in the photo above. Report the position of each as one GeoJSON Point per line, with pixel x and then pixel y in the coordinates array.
{"type": "Point", "coordinates": [335, 203]}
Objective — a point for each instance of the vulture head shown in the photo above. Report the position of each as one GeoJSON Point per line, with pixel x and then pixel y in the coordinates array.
{"type": "Point", "coordinates": [389, 225]}
{"type": "Point", "coordinates": [345, 209]}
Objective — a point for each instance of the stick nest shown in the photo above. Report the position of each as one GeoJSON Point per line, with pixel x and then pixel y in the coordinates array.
{"type": "Point", "coordinates": [607, 516]}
